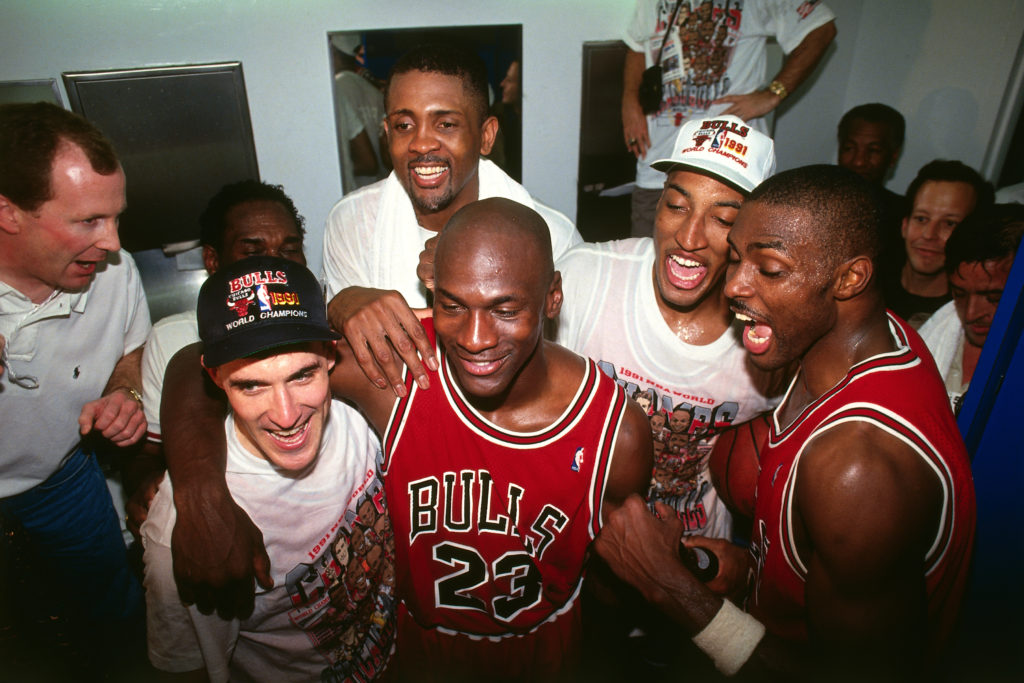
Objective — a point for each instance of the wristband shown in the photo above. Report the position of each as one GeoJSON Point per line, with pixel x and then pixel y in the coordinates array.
{"type": "Point", "coordinates": [730, 638]}
{"type": "Point", "coordinates": [132, 391]}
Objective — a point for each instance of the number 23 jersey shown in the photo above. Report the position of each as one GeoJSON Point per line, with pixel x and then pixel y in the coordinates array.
{"type": "Point", "coordinates": [492, 526]}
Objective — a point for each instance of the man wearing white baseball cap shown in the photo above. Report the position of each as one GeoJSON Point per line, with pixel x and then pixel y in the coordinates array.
{"type": "Point", "coordinates": [652, 313]}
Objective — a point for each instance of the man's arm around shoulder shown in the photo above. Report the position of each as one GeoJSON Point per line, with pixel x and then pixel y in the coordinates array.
{"type": "Point", "coordinates": [217, 549]}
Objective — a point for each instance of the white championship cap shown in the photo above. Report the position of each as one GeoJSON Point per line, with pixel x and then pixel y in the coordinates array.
{"type": "Point", "coordinates": [725, 148]}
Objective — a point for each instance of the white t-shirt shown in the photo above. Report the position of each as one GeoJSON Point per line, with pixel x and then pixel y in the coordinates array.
{"type": "Point", "coordinates": [169, 336]}
{"type": "Point", "coordinates": [331, 611]}
{"type": "Point", "coordinates": [707, 57]}
{"type": "Point", "coordinates": [943, 333]}
{"type": "Point", "coordinates": [372, 238]}
{"type": "Point", "coordinates": [358, 106]}
{"type": "Point", "coordinates": [610, 313]}
{"type": "Point", "coordinates": [68, 345]}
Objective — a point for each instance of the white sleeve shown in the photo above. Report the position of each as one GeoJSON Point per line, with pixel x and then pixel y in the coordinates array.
{"type": "Point", "coordinates": [137, 324]}
{"type": "Point", "coordinates": [790, 21]}
{"type": "Point", "coordinates": [170, 637]}
{"type": "Point", "coordinates": [564, 234]}
{"type": "Point", "coordinates": [641, 26]}
{"type": "Point", "coordinates": [154, 364]}
{"type": "Point", "coordinates": [343, 105]}
{"type": "Point", "coordinates": [217, 639]}
{"type": "Point", "coordinates": [575, 281]}
{"type": "Point", "coordinates": [345, 257]}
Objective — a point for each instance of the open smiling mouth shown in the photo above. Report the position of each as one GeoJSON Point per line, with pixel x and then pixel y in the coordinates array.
{"type": "Point", "coordinates": [290, 438]}
{"type": "Point", "coordinates": [685, 273]}
{"type": "Point", "coordinates": [482, 368]}
{"type": "Point", "coordinates": [756, 336]}
{"type": "Point", "coordinates": [429, 173]}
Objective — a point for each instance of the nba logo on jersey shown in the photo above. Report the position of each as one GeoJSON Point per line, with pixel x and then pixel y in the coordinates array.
{"type": "Point", "coordinates": [263, 296]}
{"type": "Point", "coordinates": [577, 459]}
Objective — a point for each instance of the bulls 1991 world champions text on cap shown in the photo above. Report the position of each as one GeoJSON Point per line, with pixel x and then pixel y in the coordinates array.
{"type": "Point", "coordinates": [257, 304]}
{"type": "Point", "coordinates": [724, 147]}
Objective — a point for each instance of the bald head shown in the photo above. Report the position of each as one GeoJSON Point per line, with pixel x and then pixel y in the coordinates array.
{"type": "Point", "coordinates": [494, 287]}
{"type": "Point", "coordinates": [496, 225]}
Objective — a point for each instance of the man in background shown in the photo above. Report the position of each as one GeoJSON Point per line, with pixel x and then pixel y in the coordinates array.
{"type": "Point", "coordinates": [870, 141]}
{"type": "Point", "coordinates": [979, 257]}
{"type": "Point", "coordinates": [712, 59]}
{"type": "Point", "coordinates": [438, 127]}
{"type": "Point", "coordinates": [359, 110]}
{"type": "Point", "coordinates": [74, 316]}
{"type": "Point", "coordinates": [942, 195]}
{"type": "Point", "coordinates": [247, 218]}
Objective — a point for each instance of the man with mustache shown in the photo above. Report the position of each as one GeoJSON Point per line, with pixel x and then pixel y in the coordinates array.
{"type": "Point", "coordinates": [438, 127]}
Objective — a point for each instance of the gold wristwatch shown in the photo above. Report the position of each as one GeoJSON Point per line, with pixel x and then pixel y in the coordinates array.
{"type": "Point", "coordinates": [777, 88]}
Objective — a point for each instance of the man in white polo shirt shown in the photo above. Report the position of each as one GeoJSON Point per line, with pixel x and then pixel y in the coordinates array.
{"type": "Point", "coordinates": [74, 317]}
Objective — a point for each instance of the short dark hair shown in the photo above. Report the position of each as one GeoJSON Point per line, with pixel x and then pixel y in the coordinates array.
{"type": "Point", "coordinates": [450, 60]}
{"type": "Point", "coordinates": [844, 205]}
{"type": "Point", "coordinates": [949, 170]}
{"type": "Point", "coordinates": [988, 235]}
{"type": "Point", "coordinates": [213, 220]}
{"type": "Point", "coordinates": [875, 112]}
{"type": "Point", "coordinates": [30, 136]}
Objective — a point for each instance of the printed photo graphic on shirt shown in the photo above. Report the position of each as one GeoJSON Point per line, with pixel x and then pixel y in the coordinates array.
{"type": "Point", "coordinates": [684, 428]}
{"type": "Point", "coordinates": [697, 52]}
{"type": "Point", "coordinates": [344, 597]}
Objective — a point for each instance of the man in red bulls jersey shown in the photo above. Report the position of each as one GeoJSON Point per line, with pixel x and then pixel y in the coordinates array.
{"type": "Point", "coordinates": [500, 476]}
{"type": "Point", "coordinates": [864, 509]}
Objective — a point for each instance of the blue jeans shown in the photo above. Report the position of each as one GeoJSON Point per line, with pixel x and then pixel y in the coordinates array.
{"type": "Point", "coordinates": [76, 564]}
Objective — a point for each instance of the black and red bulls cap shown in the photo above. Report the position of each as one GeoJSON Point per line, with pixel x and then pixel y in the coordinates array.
{"type": "Point", "coordinates": [260, 303]}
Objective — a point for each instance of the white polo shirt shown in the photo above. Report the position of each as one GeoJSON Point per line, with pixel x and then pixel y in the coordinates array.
{"type": "Point", "coordinates": [59, 356]}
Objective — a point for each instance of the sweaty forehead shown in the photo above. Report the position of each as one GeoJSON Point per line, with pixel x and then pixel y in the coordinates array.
{"type": "Point", "coordinates": [776, 226]}
{"type": "Point", "coordinates": [487, 256]}
{"type": "Point", "coordinates": [421, 90]}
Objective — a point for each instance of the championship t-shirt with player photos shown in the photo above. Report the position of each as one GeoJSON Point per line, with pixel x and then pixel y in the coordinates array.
{"type": "Point", "coordinates": [690, 393]}
{"type": "Point", "coordinates": [331, 613]}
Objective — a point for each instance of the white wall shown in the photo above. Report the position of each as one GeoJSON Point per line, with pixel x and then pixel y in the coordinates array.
{"type": "Point", "coordinates": [282, 45]}
{"type": "Point", "coordinates": [943, 63]}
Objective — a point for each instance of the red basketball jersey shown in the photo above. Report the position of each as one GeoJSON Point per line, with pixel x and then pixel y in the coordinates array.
{"type": "Point", "coordinates": [491, 526]}
{"type": "Point", "coordinates": [901, 393]}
